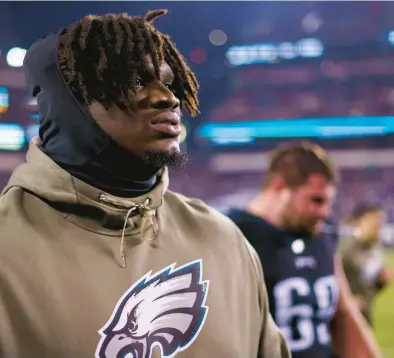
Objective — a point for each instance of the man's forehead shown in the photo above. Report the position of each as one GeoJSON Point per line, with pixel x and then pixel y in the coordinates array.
{"type": "Point", "coordinates": [318, 180]}
{"type": "Point", "coordinates": [165, 68]}
{"type": "Point", "coordinates": [318, 185]}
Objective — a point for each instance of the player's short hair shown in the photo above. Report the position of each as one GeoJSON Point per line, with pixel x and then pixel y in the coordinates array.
{"type": "Point", "coordinates": [296, 162]}
{"type": "Point", "coordinates": [101, 57]}
{"type": "Point", "coordinates": [364, 208]}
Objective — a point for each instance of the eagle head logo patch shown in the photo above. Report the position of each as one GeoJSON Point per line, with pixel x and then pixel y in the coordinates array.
{"type": "Point", "coordinates": [166, 309]}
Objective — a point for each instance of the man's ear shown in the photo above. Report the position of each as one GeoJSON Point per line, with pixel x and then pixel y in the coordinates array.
{"type": "Point", "coordinates": [280, 188]}
{"type": "Point", "coordinates": [278, 183]}
{"type": "Point", "coordinates": [97, 111]}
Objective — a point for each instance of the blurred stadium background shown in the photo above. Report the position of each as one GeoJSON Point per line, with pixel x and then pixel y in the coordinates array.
{"type": "Point", "coordinates": [269, 72]}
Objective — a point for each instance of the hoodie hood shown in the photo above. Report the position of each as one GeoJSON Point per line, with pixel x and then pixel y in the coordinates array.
{"type": "Point", "coordinates": [71, 137]}
{"type": "Point", "coordinates": [86, 206]}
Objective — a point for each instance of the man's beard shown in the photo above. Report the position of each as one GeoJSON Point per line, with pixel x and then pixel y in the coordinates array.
{"type": "Point", "coordinates": [159, 159]}
{"type": "Point", "coordinates": [298, 227]}
{"type": "Point", "coordinates": [300, 231]}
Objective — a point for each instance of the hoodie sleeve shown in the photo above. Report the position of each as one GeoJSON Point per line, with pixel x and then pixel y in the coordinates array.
{"type": "Point", "coordinates": [272, 343]}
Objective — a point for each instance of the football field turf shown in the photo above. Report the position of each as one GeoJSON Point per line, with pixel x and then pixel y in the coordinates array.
{"type": "Point", "coordinates": [384, 317]}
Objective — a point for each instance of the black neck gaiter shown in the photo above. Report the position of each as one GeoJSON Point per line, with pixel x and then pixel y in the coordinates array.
{"type": "Point", "coordinates": [125, 176]}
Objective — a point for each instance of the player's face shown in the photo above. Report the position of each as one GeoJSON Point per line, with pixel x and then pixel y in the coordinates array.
{"type": "Point", "coordinates": [308, 206]}
{"type": "Point", "coordinates": [370, 225]}
{"type": "Point", "coordinates": [153, 124]}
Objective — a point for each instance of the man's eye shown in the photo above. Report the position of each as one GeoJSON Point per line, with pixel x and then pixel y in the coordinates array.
{"type": "Point", "coordinates": [138, 82]}
{"type": "Point", "coordinates": [170, 86]}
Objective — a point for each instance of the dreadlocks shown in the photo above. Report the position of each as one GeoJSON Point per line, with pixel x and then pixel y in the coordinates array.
{"type": "Point", "coordinates": [100, 58]}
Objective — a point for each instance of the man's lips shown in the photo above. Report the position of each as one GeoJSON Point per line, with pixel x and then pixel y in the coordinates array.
{"type": "Point", "coordinates": [169, 123]}
{"type": "Point", "coordinates": [169, 118]}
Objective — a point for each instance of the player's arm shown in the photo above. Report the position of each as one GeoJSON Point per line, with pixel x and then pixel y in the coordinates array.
{"type": "Point", "coordinates": [385, 276]}
{"type": "Point", "coordinates": [352, 337]}
{"type": "Point", "coordinates": [349, 263]}
{"type": "Point", "coordinates": [272, 343]}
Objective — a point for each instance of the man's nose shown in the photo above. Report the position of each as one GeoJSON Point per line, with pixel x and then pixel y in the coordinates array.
{"type": "Point", "coordinates": [323, 211]}
{"type": "Point", "coordinates": [163, 98]}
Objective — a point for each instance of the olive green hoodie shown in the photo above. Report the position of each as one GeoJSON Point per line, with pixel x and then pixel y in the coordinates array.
{"type": "Point", "coordinates": [182, 282]}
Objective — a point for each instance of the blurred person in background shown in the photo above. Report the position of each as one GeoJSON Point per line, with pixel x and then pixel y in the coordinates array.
{"type": "Point", "coordinates": [97, 257]}
{"type": "Point", "coordinates": [287, 225]}
{"type": "Point", "coordinates": [363, 257]}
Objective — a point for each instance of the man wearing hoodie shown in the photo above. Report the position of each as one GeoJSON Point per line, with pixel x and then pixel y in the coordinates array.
{"type": "Point", "coordinates": [97, 257]}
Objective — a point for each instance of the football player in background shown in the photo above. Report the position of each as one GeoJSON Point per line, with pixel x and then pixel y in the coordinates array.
{"type": "Point", "coordinates": [363, 257]}
{"type": "Point", "coordinates": [287, 225]}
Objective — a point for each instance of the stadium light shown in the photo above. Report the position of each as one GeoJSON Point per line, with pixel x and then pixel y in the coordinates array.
{"type": "Point", "coordinates": [390, 37]}
{"type": "Point", "coordinates": [271, 52]}
{"type": "Point", "coordinates": [217, 37]}
{"type": "Point", "coordinates": [15, 57]}
{"type": "Point", "coordinates": [287, 51]}
{"type": "Point", "coordinates": [310, 48]}
{"type": "Point", "coordinates": [12, 136]}
{"type": "Point", "coordinates": [183, 133]}
{"type": "Point", "coordinates": [4, 99]}
{"type": "Point", "coordinates": [32, 102]}
{"type": "Point", "coordinates": [323, 128]}
{"type": "Point", "coordinates": [32, 131]}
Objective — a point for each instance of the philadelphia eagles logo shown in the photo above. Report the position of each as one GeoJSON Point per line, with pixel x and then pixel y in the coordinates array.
{"type": "Point", "coordinates": [166, 309]}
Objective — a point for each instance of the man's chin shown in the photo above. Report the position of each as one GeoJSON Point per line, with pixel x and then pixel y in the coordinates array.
{"type": "Point", "coordinates": [312, 232]}
{"type": "Point", "coordinates": [160, 158]}
{"type": "Point", "coordinates": [301, 232]}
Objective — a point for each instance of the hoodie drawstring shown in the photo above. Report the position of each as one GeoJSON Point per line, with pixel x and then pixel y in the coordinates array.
{"type": "Point", "coordinates": [145, 212]}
